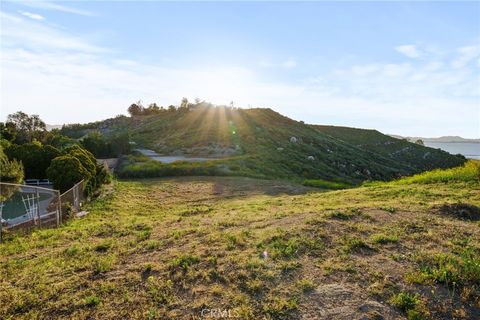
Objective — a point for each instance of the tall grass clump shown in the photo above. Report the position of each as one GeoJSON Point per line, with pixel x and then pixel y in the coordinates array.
{"type": "Point", "coordinates": [324, 184]}
{"type": "Point", "coordinates": [470, 171]}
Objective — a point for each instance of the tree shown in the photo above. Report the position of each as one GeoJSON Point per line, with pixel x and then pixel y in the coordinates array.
{"type": "Point", "coordinates": [135, 109]}
{"type": "Point", "coordinates": [152, 109]}
{"type": "Point", "coordinates": [85, 157]}
{"type": "Point", "coordinates": [11, 171]}
{"type": "Point", "coordinates": [27, 127]}
{"type": "Point", "coordinates": [120, 144]}
{"type": "Point", "coordinates": [184, 103]}
{"type": "Point", "coordinates": [97, 144]}
{"type": "Point", "coordinates": [58, 140]}
{"type": "Point", "coordinates": [8, 131]}
{"type": "Point", "coordinates": [65, 171]}
{"type": "Point", "coordinates": [420, 142]}
{"type": "Point", "coordinates": [34, 156]}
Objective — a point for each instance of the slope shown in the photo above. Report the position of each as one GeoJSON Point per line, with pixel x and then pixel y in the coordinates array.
{"type": "Point", "coordinates": [172, 247]}
{"type": "Point", "coordinates": [260, 142]}
{"type": "Point", "coordinates": [414, 155]}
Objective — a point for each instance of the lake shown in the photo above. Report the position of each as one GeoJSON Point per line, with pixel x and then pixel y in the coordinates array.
{"type": "Point", "coordinates": [470, 150]}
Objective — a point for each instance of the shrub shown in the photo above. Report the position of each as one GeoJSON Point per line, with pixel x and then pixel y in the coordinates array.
{"type": "Point", "coordinates": [65, 172]}
{"type": "Point", "coordinates": [318, 183]}
{"type": "Point", "coordinates": [87, 159]}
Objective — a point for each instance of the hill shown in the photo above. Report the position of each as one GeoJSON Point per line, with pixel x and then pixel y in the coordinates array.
{"type": "Point", "coordinates": [449, 139]}
{"type": "Point", "coordinates": [259, 249]}
{"type": "Point", "coordinates": [262, 143]}
{"type": "Point", "coordinates": [416, 156]}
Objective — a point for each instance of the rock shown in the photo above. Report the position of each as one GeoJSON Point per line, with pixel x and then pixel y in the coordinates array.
{"type": "Point", "coordinates": [311, 158]}
{"type": "Point", "coordinates": [293, 140]}
{"type": "Point", "coordinates": [81, 214]}
{"type": "Point", "coordinates": [280, 149]}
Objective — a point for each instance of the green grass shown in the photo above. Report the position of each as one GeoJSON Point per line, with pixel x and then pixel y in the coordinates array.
{"type": "Point", "coordinates": [455, 268]}
{"type": "Point", "coordinates": [383, 238]}
{"type": "Point", "coordinates": [167, 248]}
{"type": "Point", "coordinates": [319, 183]}
{"type": "Point", "coordinates": [469, 172]}
{"type": "Point", "coordinates": [411, 305]}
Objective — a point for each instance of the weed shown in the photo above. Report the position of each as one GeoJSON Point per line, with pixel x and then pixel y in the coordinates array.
{"type": "Point", "coordinates": [354, 245]}
{"type": "Point", "coordinates": [388, 209]}
{"type": "Point", "coordinates": [103, 246]}
{"type": "Point", "coordinates": [339, 215]}
{"type": "Point", "coordinates": [92, 301]}
{"type": "Point", "coordinates": [184, 262]}
{"type": "Point", "coordinates": [72, 251]}
{"type": "Point", "coordinates": [381, 238]}
{"type": "Point", "coordinates": [411, 305]}
{"type": "Point", "coordinates": [280, 308]}
{"type": "Point", "coordinates": [306, 285]}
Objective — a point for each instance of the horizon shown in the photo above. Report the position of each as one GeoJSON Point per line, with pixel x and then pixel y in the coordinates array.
{"type": "Point", "coordinates": [410, 69]}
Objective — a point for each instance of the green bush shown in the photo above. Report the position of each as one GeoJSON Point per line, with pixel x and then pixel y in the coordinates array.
{"type": "Point", "coordinates": [66, 171]}
{"type": "Point", "coordinates": [85, 157]}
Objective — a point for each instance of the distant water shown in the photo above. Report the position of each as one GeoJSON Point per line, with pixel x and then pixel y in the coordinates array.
{"type": "Point", "coordinates": [470, 150]}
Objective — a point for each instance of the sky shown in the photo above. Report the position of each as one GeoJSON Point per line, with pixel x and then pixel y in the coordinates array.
{"type": "Point", "coordinates": [408, 68]}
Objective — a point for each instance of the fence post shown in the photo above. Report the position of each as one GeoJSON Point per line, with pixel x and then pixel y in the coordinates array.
{"type": "Point", "coordinates": [59, 209]}
{"type": "Point", "coordinates": [38, 208]}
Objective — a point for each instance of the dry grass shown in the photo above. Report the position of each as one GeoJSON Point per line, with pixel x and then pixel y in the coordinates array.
{"type": "Point", "coordinates": [170, 248]}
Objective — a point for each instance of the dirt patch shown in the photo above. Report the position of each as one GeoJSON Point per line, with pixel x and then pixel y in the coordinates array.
{"type": "Point", "coordinates": [344, 301]}
{"type": "Point", "coordinates": [463, 211]}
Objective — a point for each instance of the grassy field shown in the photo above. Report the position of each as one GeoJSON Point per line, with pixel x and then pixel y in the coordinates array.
{"type": "Point", "coordinates": [199, 247]}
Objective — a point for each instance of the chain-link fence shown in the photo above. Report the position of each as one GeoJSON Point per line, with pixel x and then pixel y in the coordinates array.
{"type": "Point", "coordinates": [72, 200]}
{"type": "Point", "coordinates": [25, 206]}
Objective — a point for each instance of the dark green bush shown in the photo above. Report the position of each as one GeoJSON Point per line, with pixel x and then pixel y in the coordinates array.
{"type": "Point", "coordinates": [66, 171]}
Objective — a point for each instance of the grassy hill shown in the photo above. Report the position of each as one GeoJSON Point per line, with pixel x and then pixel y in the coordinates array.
{"type": "Point", "coordinates": [415, 156]}
{"type": "Point", "coordinates": [263, 143]}
{"type": "Point", "coordinates": [262, 249]}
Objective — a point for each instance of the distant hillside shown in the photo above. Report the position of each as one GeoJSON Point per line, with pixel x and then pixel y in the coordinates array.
{"type": "Point", "coordinates": [416, 156]}
{"type": "Point", "coordinates": [263, 143]}
{"type": "Point", "coordinates": [439, 139]}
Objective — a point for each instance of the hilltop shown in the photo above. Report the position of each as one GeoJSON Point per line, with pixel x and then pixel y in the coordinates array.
{"type": "Point", "coordinates": [262, 143]}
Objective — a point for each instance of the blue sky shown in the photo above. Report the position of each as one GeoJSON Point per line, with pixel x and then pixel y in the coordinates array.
{"type": "Point", "coordinates": [404, 68]}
